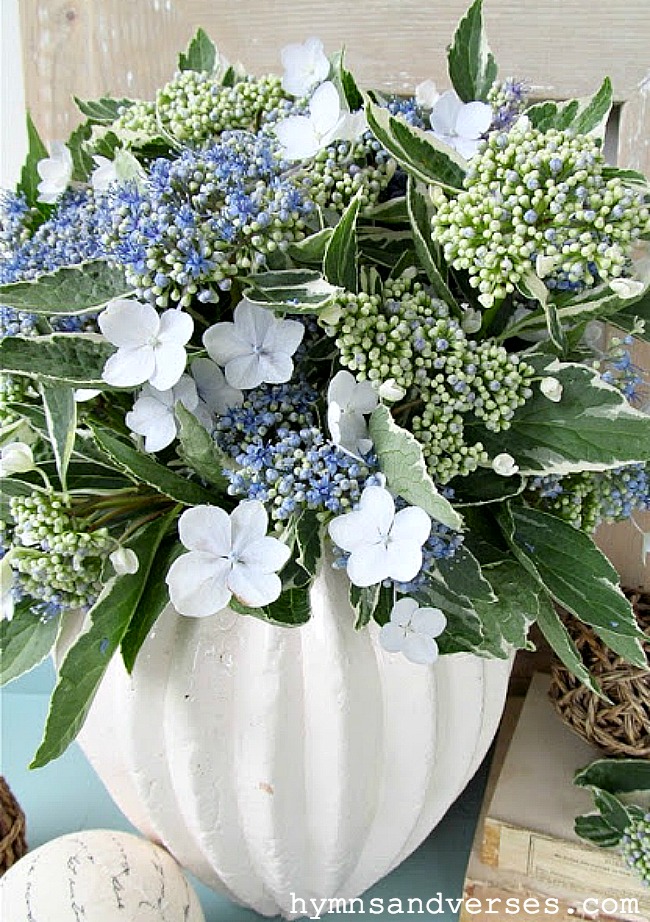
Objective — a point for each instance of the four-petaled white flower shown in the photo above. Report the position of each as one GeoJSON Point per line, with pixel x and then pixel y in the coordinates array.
{"type": "Point", "coordinates": [411, 631]}
{"type": "Point", "coordinates": [16, 458]}
{"type": "Point", "coordinates": [305, 66]}
{"type": "Point", "coordinates": [104, 174]}
{"type": "Point", "coordinates": [55, 172]}
{"type": "Point", "coordinates": [215, 395]}
{"type": "Point", "coordinates": [255, 349]}
{"type": "Point", "coordinates": [151, 346]}
{"type": "Point", "coordinates": [505, 465]}
{"type": "Point", "coordinates": [153, 412]}
{"type": "Point", "coordinates": [383, 544]}
{"type": "Point", "coordinates": [302, 136]}
{"type": "Point", "coordinates": [459, 124]}
{"type": "Point", "coordinates": [229, 555]}
{"type": "Point", "coordinates": [347, 402]}
{"type": "Point", "coordinates": [551, 388]}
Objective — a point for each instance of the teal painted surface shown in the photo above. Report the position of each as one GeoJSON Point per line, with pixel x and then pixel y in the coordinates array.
{"type": "Point", "coordinates": [67, 796]}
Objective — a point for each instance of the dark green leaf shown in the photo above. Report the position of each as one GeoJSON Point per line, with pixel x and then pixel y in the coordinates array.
{"type": "Point", "coordinates": [29, 178]}
{"type": "Point", "coordinates": [143, 468]}
{"type": "Point", "coordinates": [201, 54]}
{"type": "Point", "coordinates": [618, 776]}
{"type": "Point", "coordinates": [154, 598]}
{"type": "Point", "coordinates": [420, 218]}
{"type": "Point", "coordinates": [102, 111]}
{"type": "Point", "coordinates": [472, 67]}
{"type": "Point", "coordinates": [25, 641]}
{"type": "Point", "coordinates": [87, 660]}
{"type": "Point", "coordinates": [596, 110]}
{"type": "Point", "coordinates": [61, 416]}
{"type": "Point", "coordinates": [364, 601]}
{"type": "Point", "coordinates": [82, 160]}
{"type": "Point", "coordinates": [311, 250]}
{"type": "Point", "coordinates": [310, 544]}
{"type": "Point", "coordinates": [341, 252]}
{"type": "Point", "coordinates": [402, 462]}
{"type": "Point", "coordinates": [344, 79]}
{"type": "Point", "coordinates": [199, 451]}
{"type": "Point", "coordinates": [611, 809]}
{"type": "Point", "coordinates": [77, 359]}
{"type": "Point", "coordinates": [419, 153]}
{"type": "Point", "coordinates": [593, 828]}
{"type": "Point", "coordinates": [463, 632]}
{"type": "Point", "coordinates": [462, 575]}
{"type": "Point", "coordinates": [575, 573]}
{"type": "Point", "coordinates": [519, 598]}
{"type": "Point", "coordinates": [69, 291]}
{"type": "Point", "coordinates": [394, 211]}
{"type": "Point", "coordinates": [582, 116]}
{"type": "Point", "coordinates": [560, 641]}
{"type": "Point", "coordinates": [292, 609]}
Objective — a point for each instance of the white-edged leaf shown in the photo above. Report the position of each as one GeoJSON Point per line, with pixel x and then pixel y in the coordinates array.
{"type": "Point", "coordinates": [472, 68]}
{"type": "Point", "coordinates": [61, 416]}
{"type": "Point", "coordinates": [341, 252]}
{"type": "Point", "coordinates": [420, 218]}
{"type": "Point", "coordinates": [88, 658]}
{"type": "Point", "coordinates": [198, 450]}
{"type": "Point", "coordinates": [402, 463]}
{"type": "Point", "coordinates": [77, 359]}
{"type": "Point", "coordinates": [102, 111]}
{"type": "Point", "coordinates": [69, 291]}
{"type": "Point", "coordinates": [417, 151]}
{"type": "Point", "coordinates": [25, 641]}
{"type": "Point", "coordinates": [201, 54]}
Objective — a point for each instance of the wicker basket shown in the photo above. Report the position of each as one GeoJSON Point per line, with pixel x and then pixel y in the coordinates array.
{"type": "Point", "coordinates": [620, 726]}
{"type": "Point", "coordinates": [12, 828]}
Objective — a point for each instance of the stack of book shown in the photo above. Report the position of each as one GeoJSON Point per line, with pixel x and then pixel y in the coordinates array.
{"type": "Point", "coordinates": [527, 862]}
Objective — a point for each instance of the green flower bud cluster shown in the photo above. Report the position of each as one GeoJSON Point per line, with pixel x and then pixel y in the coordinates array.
{"type": "Point", "coordinates": [58, 563]}
{"type": "Point", "coordinates": [338, 172]}
{"type": "Point", "coordinates": [138, 119]}
{"type": "Point", "coordinates": [531, 194]}
{"type": "Point", "coordinates": [635, 847]}
{"type": "Point", "coordinates": [12, 390]}
{"type": "Point", "coordinates": [195, 106]}
{"type": "Point", "coordinates": [409, 336]}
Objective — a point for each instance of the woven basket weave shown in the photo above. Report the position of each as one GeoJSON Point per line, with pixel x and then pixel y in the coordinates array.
{"type": "Point", "coordinates": [620, 727]}
{"type": "Point", "coordinates": [13, 844]}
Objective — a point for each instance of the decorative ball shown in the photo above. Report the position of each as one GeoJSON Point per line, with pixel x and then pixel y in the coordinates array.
{"type": "Point", "coordinates": [98, 876]}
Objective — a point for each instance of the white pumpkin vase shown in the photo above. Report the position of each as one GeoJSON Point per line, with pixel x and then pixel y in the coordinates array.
{"type": "Point", "coordinates": [275, 762]}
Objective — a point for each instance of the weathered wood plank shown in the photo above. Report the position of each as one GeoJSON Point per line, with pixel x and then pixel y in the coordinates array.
{"type": "Point", "coordinates": [90, 47]}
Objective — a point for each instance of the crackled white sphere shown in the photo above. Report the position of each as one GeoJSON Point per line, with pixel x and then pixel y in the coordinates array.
{"type": "Point", "coordinates": [98, 876]}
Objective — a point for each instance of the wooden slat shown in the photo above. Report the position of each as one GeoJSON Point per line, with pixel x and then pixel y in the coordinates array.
{"type": "Point", "coordinates": [91, 47]}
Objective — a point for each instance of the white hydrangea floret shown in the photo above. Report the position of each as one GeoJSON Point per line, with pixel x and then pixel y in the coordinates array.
{"type": "Point", "coordinates": [460, 124]}
{"type": "Point", "coordinates": [215, 395]}
{"type": "Point", "coordinates": [125, 561]}
{"type": "Point", "coordinates": [551, 388]}
{"type": "Point", "coordinates": [382, 543]}
{"type": "Point", "coordinates": [411, 631]}
{"type": "Point", "coordinates": [505, 465]}
{"type": "Point", "coordinates": [153, 413]}
{"type": "Point", "coordinates": [305, 66]}
{"type": "Point", "coordinates": [257, 348]}
{"type": "Point", "coordinates": [6, 589]}
{"type": "Point", "coordinates": [347, 403]}
{"type": "Point", "coordinates": [55, 172]}
{"type": "Point", "coordinates": [104, 174]}
{"type": "Point", "coordinates": [329, 120]}
{"type": "Point", "coordinates": [627, 288]}
{"type": "Point", "coordinates": [150, 346]}
{"type": "Point", "coordinates": [229, 555]}
{"type": "Point", "coordinates": [391, 391]}
{"type": "Point", "coordinates": [16, 458]}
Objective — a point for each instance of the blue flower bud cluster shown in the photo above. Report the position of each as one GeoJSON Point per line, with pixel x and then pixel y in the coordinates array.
{"type": "Point", "coordinates": [508, 99]}
{"type": "Point", "coordinates": [195, 106]}
{"type": "Point", "coordinates": [635, 847]}
{"type": "Point", "coordinates": [203, 218]}
{"type": "Point", "coordinates": [408, 336]}
{"type": "Point", "coordinates": [585, 500]}
{"type": "Point", "coordinates": [69, 237]}
{"type": "Point", "coordinates": [530, 194]}
{"type": "Point", "coordinates": [56, 560]}
{"type": "Point", "coordinates": [283, 459]}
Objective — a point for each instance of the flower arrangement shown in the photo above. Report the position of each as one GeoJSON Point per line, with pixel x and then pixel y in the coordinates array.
{"type": "Point", "coordinates": [263, 325]}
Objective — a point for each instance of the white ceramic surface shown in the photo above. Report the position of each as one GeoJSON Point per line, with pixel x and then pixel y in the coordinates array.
{"type": "Point", "coordinates": [273, 761]}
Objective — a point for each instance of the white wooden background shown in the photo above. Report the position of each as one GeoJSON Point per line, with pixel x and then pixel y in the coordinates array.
{"type": "Point", "coordinates": [128, 47]}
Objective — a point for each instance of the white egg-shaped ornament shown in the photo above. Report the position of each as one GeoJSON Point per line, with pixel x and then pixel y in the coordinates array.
{"type": "Point", "coordinates": [99, 876]}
